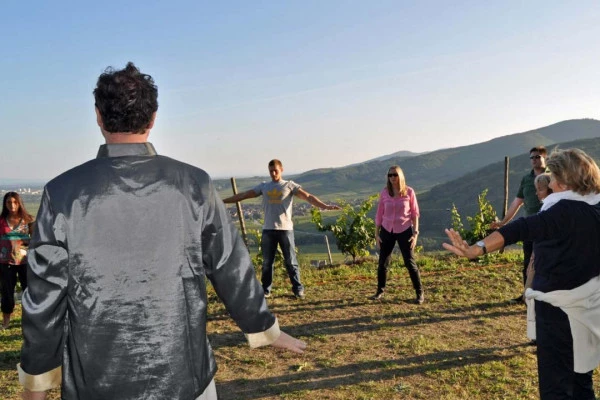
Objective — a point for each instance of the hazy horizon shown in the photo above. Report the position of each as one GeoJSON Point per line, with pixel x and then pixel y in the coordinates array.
{"type": "Point", "coordinates": [315, 84]}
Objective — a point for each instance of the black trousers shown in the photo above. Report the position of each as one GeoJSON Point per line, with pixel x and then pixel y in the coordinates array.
{"type": "Point", "coordinates": [527, 251]}
{"type": "Point", "coordinates": [388, 241]}
{"type": "Point", "coordinates": [557, 378]}
{"type": "Point", "coordinates": [8, 282]}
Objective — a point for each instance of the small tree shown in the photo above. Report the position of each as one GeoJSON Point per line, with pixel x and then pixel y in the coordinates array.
{"type": "Point", "coordinates": [479, 223]}
{"type": "Point", "coordinates": [354, 231]}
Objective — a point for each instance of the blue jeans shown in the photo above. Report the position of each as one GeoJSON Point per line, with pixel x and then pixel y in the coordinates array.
{"type": "Point", "coordinates": [270, 239]}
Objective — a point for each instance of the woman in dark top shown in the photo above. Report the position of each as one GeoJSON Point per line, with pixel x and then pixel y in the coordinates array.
{"type": "Point", "coordinates": [566, 234]}
{"type": "Point", "coordinates": [15, 232]}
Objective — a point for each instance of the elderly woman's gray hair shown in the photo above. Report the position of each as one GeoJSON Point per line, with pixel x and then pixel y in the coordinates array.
{"type": "Point", "coordinates": [575, 169]}
{"type": "Point", "coordinates": [542, 179]}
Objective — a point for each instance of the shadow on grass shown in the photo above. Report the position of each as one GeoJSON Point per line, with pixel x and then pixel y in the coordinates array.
{"type": "Point", "coordinates": [303, 306]}
{"type": "Point", "coordinates": [370, 323]}
{"type": "Point", "coordinates": [299, 306]}
{"type": "Point", "coordinates": [9, 360]}
{"type": "Point", "coordinates": [352, 374]}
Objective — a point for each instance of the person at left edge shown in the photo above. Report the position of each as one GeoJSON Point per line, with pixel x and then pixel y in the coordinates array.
{"type": "Point", "coordinates": [118, 260]}
{"type": "Point", "coordinates": [15, 231]}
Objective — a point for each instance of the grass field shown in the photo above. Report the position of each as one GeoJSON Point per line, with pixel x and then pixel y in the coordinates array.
{"type": "Point", "coordinates": [466, 342]}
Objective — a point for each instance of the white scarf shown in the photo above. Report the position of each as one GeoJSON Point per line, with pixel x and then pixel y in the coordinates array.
{"type": "Point", "coordinates": [553, 198]}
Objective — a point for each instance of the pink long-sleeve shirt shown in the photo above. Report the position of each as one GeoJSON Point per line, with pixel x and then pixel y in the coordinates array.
{"type": "Point", "coordinates": [395, 214]}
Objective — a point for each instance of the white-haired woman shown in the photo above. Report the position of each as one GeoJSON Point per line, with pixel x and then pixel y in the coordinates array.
{"type": "Point", "coordinates": [566, 285]}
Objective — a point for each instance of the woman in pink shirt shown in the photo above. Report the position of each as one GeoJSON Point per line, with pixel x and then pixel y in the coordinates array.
{"type": "Point", "coordinates": [397, 220]}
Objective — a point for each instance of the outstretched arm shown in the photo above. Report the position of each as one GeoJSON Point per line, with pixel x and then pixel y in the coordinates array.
{"type": "Point", "coordinates": [314, 200]}
{"type": "Point", "coordinates": [510, 213]}
{"type": "Point", "coordinates": [461, 248]}
{"type": "Point", "coordinates": [241, 196]}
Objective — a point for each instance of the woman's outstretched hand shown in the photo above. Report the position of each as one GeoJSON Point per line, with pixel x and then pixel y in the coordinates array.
{"type": "Point", "coordinates": [287, 342]}
{"type": "Point", "coordinates": [459, 246]}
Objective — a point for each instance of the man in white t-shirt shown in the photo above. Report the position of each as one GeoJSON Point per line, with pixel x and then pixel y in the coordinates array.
{"type": "Point", "coordinates": [278, 229]}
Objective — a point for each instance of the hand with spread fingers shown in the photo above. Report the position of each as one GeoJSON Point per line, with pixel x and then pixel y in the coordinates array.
{"type": "Point", "coordinates": [459, 246]}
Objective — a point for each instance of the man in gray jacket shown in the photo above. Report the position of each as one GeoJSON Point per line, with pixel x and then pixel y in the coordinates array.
{"type": "Point", "coordinates": [116, 302]}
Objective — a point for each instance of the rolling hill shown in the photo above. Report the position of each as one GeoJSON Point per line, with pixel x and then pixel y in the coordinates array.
{"type": "Point", "coordinates": [463, 192]}
{"type": "Point", "coordinates": [425, 171]}
{"type": "Point", "coordinates": [448, 176]}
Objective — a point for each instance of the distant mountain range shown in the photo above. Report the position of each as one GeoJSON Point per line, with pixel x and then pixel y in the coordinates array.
{"type": "Point", "coordinates": [424, 171]}
{"type": "Point", "coordinates": [399, 155]}
{"type": "Point", "coordinates": [463, 191]}
{"type": "Point", "coordinates": [441, 178]}
{"type": "Point", "coordinates": [448, 176]}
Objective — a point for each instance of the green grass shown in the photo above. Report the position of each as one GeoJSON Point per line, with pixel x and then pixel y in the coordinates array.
{"type": "Point", "coordinates": [466, 342]}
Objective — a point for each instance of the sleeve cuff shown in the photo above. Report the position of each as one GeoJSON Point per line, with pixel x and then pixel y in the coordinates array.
{"type": "Point", "coordinates": [42, 382]}
{"type": "Point", "coordinates": [264, 338]}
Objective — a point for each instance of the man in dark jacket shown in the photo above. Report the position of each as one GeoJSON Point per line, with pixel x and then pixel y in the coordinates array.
{"type": "Point", "coordinates": [116, 303]}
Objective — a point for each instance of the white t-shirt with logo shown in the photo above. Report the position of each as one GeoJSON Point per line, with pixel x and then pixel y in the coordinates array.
{"type": "Point", "coordinates": [277, 199]}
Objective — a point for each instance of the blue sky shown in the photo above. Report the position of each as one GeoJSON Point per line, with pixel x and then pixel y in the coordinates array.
{"type": "Point", "coordinates": [314, 83]}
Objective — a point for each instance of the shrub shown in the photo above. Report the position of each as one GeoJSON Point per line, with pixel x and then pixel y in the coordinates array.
{"type": "Point", "coordinates": [479, 223]}
{"type": "Point", "coordinates": [353, 230]}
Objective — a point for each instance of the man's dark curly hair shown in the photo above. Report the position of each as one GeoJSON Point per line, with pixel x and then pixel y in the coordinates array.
{"type": "Point", "coordinates": [126, 99]}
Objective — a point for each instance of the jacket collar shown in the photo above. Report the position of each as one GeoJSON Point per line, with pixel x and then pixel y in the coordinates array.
{"type": "Point", "coordinates": [126, 149]}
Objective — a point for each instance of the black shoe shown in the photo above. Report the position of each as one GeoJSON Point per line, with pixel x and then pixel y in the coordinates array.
{"type": "Point", "coordinates": [267, 294]}
{"type": "Point", "coordinates": [377, 296]}
{"type": "Point", "coordinates": [518, 299]}
{"type": "Point", "coordinates": [420, 298]}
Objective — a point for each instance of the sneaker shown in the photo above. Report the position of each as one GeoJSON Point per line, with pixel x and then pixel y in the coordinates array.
{"type": "Point", "coordinates": [267, 295]}
{"type": "Point", "coordinates": [377, 295]}
{"type": "Point", "coordinates": [300, 294]}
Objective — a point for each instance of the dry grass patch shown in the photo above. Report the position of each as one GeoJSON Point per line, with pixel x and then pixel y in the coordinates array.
{"type": "Point", "coordinates": [466, 342]}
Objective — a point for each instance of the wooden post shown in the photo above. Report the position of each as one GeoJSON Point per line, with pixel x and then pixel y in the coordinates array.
{"type": "Point", "coordinates": [505, 205]}
{"type": "Point", "coordinates": [240, 214]}
{"type": "Point", "coordinates": [506, 169]}
{"type": "Point", "coordinates": [328, 250]}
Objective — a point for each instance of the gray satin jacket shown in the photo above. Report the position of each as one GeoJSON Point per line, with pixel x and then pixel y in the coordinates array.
{"type": "Point", "coordinates": [116, 287]}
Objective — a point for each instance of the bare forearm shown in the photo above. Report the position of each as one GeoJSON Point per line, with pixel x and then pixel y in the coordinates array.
{"type": "Point", "coordinates": [232, 199]}
{"type": "Point", "coordinates": [415, 233]}
{"type": "Point", "coordinates": [493, 242]}
{"type": "Point", "coordinates": [315, 201]}
{"type": "Point", "coordinates": [415, 225]}
{"type": "Point", "coordinates": [530, 272]}
{"type": "Point", "coordinates": [512, 211]}
{"type": "Point", "coordinates": [239, 197]}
